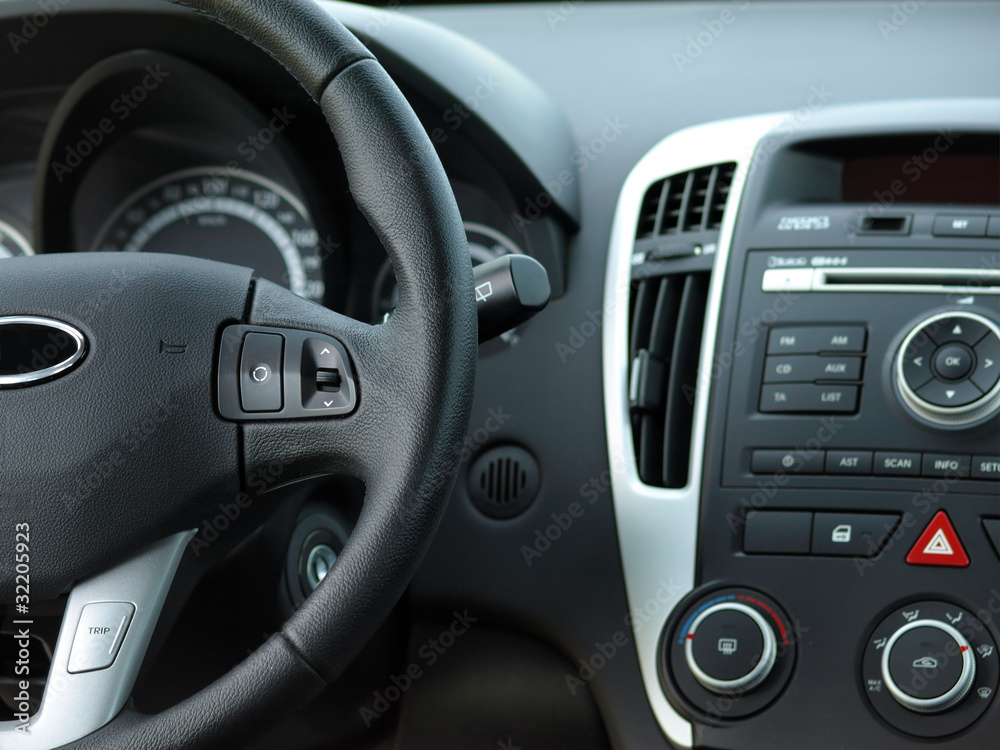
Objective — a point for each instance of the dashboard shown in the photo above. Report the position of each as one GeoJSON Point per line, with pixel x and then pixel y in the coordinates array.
{"type": "Point", "coordinates": [737, 487]}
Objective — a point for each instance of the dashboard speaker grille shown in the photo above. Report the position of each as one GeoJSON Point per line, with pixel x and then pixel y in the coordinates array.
{"type": "Point", "coordinates": [686, 202]}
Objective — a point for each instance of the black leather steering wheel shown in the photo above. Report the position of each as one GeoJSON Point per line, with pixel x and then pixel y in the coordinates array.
{"type": "Point", "coordinates": [128, 449]}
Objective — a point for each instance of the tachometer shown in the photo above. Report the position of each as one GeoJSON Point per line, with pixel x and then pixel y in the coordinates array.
{"type": "Point", "coordinates": [12, 242]}
{"type": "Point", "coordinates": [234, 217]}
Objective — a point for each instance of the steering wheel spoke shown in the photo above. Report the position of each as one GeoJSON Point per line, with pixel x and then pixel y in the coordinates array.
{"type": "Point", "coordinates": [107, 625]}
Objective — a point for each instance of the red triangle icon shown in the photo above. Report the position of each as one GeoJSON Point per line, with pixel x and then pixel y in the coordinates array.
{"type": "Point", "coordinates": [938, 545]}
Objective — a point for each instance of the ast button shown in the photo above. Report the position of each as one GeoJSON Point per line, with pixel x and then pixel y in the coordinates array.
{"type": "Point", "coordinates": [99, 635]}
{"type": "Point", "coordinates": [897, 464]}
{"type": "Point", "coordinates": [848, 462]}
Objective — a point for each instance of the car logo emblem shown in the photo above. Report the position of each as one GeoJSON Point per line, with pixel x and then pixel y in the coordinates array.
{"type": "Point", "coordinates": [34, 349]}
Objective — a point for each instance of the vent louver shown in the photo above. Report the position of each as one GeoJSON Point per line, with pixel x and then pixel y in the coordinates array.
{"type": "Point", "coordinates": [686, 202]}
{"type": "Point", "coordinates": [667, 305]}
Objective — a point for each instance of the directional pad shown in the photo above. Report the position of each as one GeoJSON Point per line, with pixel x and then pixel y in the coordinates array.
{"type": "Point", "coordinates": [940, 393]}
{"type": "Point", "coordinates": [987, 371]}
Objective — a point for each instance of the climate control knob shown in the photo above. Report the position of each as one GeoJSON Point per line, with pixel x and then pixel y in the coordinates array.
{"type": "Point", "coordinates": [928, 666]}
{"type": "Point", "coordinates": [947, 370]}
{"type": "Point", "coordinates": [730, 648]}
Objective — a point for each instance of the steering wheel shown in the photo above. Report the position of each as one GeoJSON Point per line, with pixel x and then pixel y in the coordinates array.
{"type": "Point", "coordinates": [111, 463]}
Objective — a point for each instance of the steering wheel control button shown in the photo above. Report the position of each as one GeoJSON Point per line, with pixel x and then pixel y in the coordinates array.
{"type": "Point", "coordinates": [930, 668]}
{"type": "Point", "coordinates": [948, 369]}
{"type": "Point", "coordinates": [953, 362]}
{"type": "Point", "coordinates": [283, 373]}
{"type": "Point", "coordinates": [322, 376]}
{"type": "Point", "coordinates": [99, 635]}
{"type": "Point", "coordinates": [952, 225]}
{"type": "Point", "coordinates": [897, 464]}
{"type": "Point", "coordinates": [987, 372]}
{"type": "Point", "coordinates": [938, 545]}
{"type": "Point", "coordinates": [809, 399]}
{"type": "Point", "coordinates": [778, 533]}
{"type": "Point", "coordinates": [260, 372]}
{"type": "Point", "coordinates": [731, 647]}
{"type": "Point", "coordinates": [851, 534]}
{"type": "Point", "coordinates": [815, 339]}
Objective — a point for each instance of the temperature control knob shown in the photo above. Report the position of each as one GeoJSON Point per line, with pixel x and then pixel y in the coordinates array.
{"type": "Point", "coordinates": [947, 370]}
{"type": "Point", "coordinates": [727, 653]}
{"type": "Point", "coordinates": [730, 648]}
{"type": "Point", "coordinates": [928, 666]}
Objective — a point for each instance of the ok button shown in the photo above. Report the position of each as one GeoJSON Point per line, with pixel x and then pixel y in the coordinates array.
{"type": "Point", "coordinates": [953, 362]}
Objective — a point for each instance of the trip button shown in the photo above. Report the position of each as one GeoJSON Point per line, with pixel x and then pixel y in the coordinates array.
{"type": "Point", "coordinates": [897, 464]}
{"type": "Point", "coordinates": [986, 467]}
{"type": "Point", "coordinates": [987, 371]}
{"type": "Point", "coordinates": [952, 225]}
{"type": "Point", "coordinates": [939, 393]}
{"type": "Point", "coordinates": [99, 635]}
{"type": "Point", "coordinates": [937, 465]}
{"type": "Point", "coordinates": [953, 361]}
{"type": "Point", "coordinates": [260, 372]}
{"type": "Point", "coordinates": [851, 534]}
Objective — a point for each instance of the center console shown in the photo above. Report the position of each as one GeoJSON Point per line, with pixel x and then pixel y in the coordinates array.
{"type": "Point", "coordinates": [843, 446]}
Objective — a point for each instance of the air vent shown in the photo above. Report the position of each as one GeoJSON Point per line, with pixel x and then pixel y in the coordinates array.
{"type": "Point", "coordinates": [687, 202]}
{"type": "Point", "coordinates": [503, 481]}
{"type": "Point", "coordinates": [668, 314]}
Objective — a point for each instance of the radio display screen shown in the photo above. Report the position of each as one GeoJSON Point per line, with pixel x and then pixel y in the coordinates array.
{"type": "Point", "coordinates": [924, 177]}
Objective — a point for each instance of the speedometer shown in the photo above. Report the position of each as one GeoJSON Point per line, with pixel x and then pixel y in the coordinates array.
{"type": "Point", "coordinates": [217, 214]}
{"type": "Point", "coordinates": [12, 242]}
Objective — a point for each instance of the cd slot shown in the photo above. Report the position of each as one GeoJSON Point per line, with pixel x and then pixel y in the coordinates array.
{"type": "Point", "coordinates": [923, 280]}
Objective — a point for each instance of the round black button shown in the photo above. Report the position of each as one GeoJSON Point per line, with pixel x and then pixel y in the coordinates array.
{"type": "Point", "coordinates": [926, 662]}
{"type": "Point", "coordinates": [727, 645]}
{"type": "Point", "coordinates": [953, 362]}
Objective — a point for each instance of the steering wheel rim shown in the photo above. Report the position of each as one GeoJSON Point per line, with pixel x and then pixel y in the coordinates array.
{"type": "Point", "coordinates": [415, 378]}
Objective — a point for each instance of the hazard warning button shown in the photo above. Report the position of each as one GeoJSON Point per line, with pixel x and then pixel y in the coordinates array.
{"type": "Point", "coordinates": [938, 545]}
